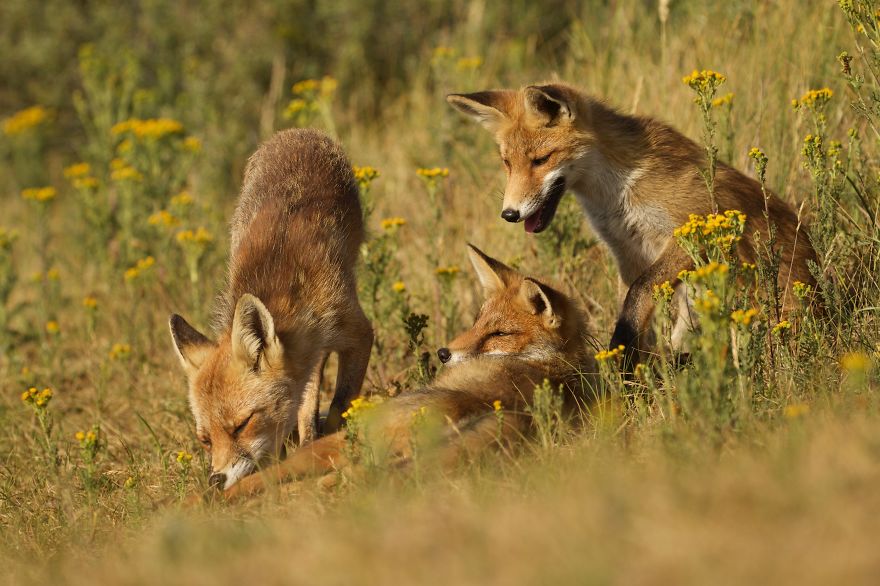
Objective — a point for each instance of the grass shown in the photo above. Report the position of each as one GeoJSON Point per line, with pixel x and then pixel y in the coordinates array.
{"type": "Point", "coordinates": [728, 472]}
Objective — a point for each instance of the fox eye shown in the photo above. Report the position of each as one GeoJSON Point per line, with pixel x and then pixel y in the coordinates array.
{"type": "Point", "coordinates": [240, 427]}
{"type": "Point", "coordinates": [506, 164]}
{"type": "Point", "coordinates": [205, 441]}
{"type": "Point", "coordinates": [541, 160]}
{"type": "Point", "coordinates": [499, 334]}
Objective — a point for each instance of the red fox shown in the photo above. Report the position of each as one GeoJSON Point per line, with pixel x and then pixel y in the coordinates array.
{"type": "Point", "coordinates": [291, 299]}
{"type": "Point", "coordinates": [636, 179]}
{"type": "Point", "coordinates": [526, 333]}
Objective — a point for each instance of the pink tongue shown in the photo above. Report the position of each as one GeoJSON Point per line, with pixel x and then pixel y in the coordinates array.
{"type": "Point", "coordinates": [533, 222]}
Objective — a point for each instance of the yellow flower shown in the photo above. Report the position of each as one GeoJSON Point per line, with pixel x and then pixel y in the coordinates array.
{"type": "Point", "coordinates": [184, 457]}
{"type": "Point", "coordinates": [192, 144]}
{"type": "Point", "coordinates": [709, 302]}
{"type": "Point", "coordinates": [77, 170]}
{"type": "Point", "coordinates": [24, 120]}
{"type": "Point", "coordinates": [449, 271]}
{"type": "Point", "coordinates": [80, 436]}
{"type": "Point", "coordinates": [743, 317]}
{"type": "Point", "coordinates": [139, 268]}
{"type": "Point", "coordinates": [199, 236]}
{"type": "Point", "coordinates": [747, 266]}
{"type": "Point", "coordinates": [53, 274]}
{"type": "Point", "coordinates": [39, 194]}
{"type": "Point", "coordinates": [855, 362]}
{"type": "Point", "coordinates": [90, 302]}
{"type": "Point", "coordinates": [85, 182]}
{"type": "Point", "coordinates": [496, 405]}
{"type": "Point", "coordinates": [796, 410]}
{"type": "Point", "coordinates": [433, 173]}
{"type": "Point", "coordinates": [305, 86]}
{"type": "Point", "coordinates": [125, 146]}
{"type": "Point", "coordinates": [37, 399]}
{"type": "Point", "coordinates": [391, 223]}
{"type": "Point", "coordinates": [801, 290]}
{"type": "Point", "coordinates": [359, 406]}
{"type": "Point", "coordinates": [703, 81]}
{"type": "Point", "coordinates": [664, 291]}
{"type": "Point", "coordinates": [120, 351]}
{"type": "Point", "coordinates": [814, 99]}
{"type": "Point", "coordinates": [182, 200]}
{"type": "Point", "coordinates": [442, 52]}
{"type": "Point", "coordinates": [724, 100]}
{"type": "Point", "coordinates": [606, 355]}
{"type": "Point", "coordinates": [782, 326]}
{"type": "Point", "coordinates": [365, 175]}
{"type": "Point", "coordinates": [163, 218]}
{"type": "Point", "coordinates": [52, 327]}
{"type": "Point", "coordinates": [126, 173]}
{"type": "Point", "coordinates": [153, 128]}
{"type": "Point", "coordinates": [398, 287]}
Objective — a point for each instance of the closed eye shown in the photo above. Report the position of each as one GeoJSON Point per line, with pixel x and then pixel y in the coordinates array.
{"type": "Point", "coordinates": [499, 333]}
{"type": "Point", "coordinates": [241, 426]}
{"type": "Point", "coordinates": [537, 162]}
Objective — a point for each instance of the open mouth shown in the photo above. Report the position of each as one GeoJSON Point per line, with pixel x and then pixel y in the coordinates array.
{"type": "Point", "coordinates": [541, 218]}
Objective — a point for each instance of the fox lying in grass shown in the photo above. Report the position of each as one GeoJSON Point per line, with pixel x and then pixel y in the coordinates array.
{"type": "Point", "coordinates": [637, 179]}
{"type": "Point", "coordinates": [290, 300]}
{"type": "Point", "coordinates": [525, 333]}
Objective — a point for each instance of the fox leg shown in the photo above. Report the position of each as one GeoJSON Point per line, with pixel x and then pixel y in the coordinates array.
{"type": "Point", "coordinates": [353, 361]}
{"type": "Point", "coordinates": [307, 416]}
{"type": "Point", "coordinates": [638, 306]}
{"type": "Point", "coordinates": [318, 457]}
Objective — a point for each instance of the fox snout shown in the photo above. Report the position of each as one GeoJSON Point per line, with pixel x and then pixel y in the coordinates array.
{"type": "Point", "coordinates": [511, 215]}
{"type": "Point", "coordinates": [217, 480]}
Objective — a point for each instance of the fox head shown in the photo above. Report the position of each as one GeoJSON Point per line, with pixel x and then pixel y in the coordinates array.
{"type": "Point", "coordinates": [520, 317]}
{"type": "Point", "coordinates": [240, 392]}
{"type": "Point", "coordinates": [541, 140]}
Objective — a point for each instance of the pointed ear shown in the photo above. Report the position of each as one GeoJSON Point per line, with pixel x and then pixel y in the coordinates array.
{"type": "Point", "coordinates": [549, 104]}
{"type": "Point", "coordinates": [253, 334]}
{"type": "Point", "coordinates": [537, 299]}
{"type": "Point", "coordinates": [191, 345]}
{"type": "Point", "coordinates": [489, 108]}
{"type": "Point", "coordinates": [493, 274]}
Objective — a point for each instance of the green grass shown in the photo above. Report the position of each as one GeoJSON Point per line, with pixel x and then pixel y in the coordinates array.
{"type": "Point", "coordinates": [722, 473]}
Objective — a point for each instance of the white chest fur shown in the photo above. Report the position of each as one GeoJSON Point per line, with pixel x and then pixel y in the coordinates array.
{"type": "Point", "coordinates": [633, 227]}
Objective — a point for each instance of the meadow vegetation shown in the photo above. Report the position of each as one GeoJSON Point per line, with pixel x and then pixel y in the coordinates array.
{"type": "Point", "coordinates": [124, 135]}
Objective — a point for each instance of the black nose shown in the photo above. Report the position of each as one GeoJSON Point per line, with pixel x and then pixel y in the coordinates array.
{"type": "Point", "coordinates": [217, 480]}
{"type": "Point", "coordinates": [510, 215]}
{"type": "Point", "coordinates": [444, 355]}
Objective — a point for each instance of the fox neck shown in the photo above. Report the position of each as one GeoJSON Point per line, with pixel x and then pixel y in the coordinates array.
{"type": "Point", "coordinates": [606, 182]}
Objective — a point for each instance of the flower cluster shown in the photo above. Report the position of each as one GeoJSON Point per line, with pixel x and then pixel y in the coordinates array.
{"type": "Point", "coordinates": [52, 327]}
{"type": "Point", "coordinates": [801, 290]}
{"type": "Point", "coordinates": [448, 272]}
{"type": "Point", "coordinates": [88, 440]}
{"type": "Point", "coordinates": [719, 230]}
{"type": "Point", "coordinates": [433, 174]}
{"type": "Point", "coordinates": [183, 457]}
{"type": "Point", "coordinates": [663, 292]}
{"type": "Point", "coordinates": [24, 120]}
{"type": "Point", "coordinates": [398, 287]}
{"type": "Point", "coordinates": [705, 273]}
{"type": "Point", "coordinates": [743, 317]}
{"type": "Point", "coordinates": [468, 63]}
{"type": "Point", "coordinates": [365, 176]}
{"type": "Point", "coordinates": [182, 200]}
{"type": "Point", "coordinates": [705, 81]}
{"type": "Point", "coordinates": [163, 218]}
{"type": "Point", "coordinates": [39, 194]}
{"type": "Point", "coordinates": [37, 399]}
{"type": "Point", "coordinates": [782, 326]}
{"type": "Point", "coordinates": [120, 351]}
{"type": "Point", "coordinates": [200, 237]}
{"type": "Point", "coordinates": [142, 266]}
{"type": "Point", "coordinates": [153, 128]}
{"type": "Point", "coordinates": [359, 406]}
{"type": "Point", "coordinates": [613, 354]}
{"type": "Point", "coordinates": [725, 100]}
{"type": "Point", "coordinates": [708, 303]}
{"type": "Point", "coordinates": [813, 99]}
{"type": "Point", "coordinates": [392, 223]}
{"type": "Point", "coordinates": [90, 302]}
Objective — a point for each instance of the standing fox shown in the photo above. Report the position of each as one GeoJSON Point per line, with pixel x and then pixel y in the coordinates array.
{"type": "Point", "coordinates": [637, 180]}
{"type": "Point", "coordinates": [525, 333]}
{"type": "Point", "coordinates": [290, 300]}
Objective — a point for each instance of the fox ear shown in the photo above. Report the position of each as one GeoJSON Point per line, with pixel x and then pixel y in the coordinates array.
{"type": "Point", "coordinates": [548, 103]}
{"type": "Point", "coordinates": [493, 274]}
{"type": "Point", "coordinates": [191, 345]}
{"type": "Point", "coordinates": [253, 333]}
{"type": "Point", "coordinates": [489, 108]}
{"type": "Point", "coordinates": [536, 298]}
